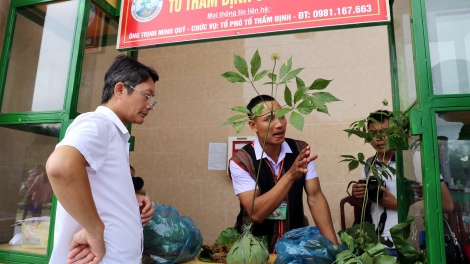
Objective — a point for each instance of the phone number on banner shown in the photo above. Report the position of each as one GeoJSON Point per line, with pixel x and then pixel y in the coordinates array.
{"type": "Point", "coordinates": [340, 11]}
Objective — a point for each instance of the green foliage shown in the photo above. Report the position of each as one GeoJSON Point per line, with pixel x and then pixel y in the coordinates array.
{"type": "Point", "coordinates": [319, 84]}
{"type": "Point", "coordinates": [255, 64]}
{"type": "Point", "coordinates": [241, 65]}
{"type": "Point", "coordinates": [297, 120]}
{"type": "Point", "coordinates": [362, 247]}
{"type": "Point", "coordinates": [406, 253]}
{"type": "Point", "coordinates": [228, 236]}
{"type": "Point", "coordinates": [303, 99]}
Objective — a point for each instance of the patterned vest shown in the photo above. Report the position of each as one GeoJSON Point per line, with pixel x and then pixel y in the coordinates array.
{"type": "Point", "coordinates": [273, 229]}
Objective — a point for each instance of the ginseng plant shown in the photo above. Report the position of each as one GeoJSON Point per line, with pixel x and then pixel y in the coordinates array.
{"type": "Point", "coordinates": [303, 101]}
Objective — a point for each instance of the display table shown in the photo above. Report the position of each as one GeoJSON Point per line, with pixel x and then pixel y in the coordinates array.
{"type": "Point", "coordinates": [272, 257]}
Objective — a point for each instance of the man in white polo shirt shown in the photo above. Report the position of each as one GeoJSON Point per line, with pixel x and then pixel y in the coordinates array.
{"type": "Point", "coordinates": [98, 218]}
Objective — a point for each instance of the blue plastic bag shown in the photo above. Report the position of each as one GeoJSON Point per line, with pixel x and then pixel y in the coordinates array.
{"type": "Point", "coordinates": [170, 238]}
{"type": "Point", "coordinates": [306, 245]}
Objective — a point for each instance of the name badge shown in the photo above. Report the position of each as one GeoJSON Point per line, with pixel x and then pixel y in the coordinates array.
{"type": "Point", "coordinates": [280, 213]}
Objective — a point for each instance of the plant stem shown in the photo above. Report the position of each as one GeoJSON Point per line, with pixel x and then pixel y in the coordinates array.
{"type": "Point", "coordinates": [264, 145]}
{"type": "Point", "coordinates": [272, 85]}
{"type": "Point", "coordinates": [259, 169]}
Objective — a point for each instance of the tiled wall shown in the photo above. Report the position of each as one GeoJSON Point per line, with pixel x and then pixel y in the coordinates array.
{"type": "Point", "coordinates": [171, 151]}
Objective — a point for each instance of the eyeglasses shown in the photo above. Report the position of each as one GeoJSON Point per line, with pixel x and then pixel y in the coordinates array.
{"type": "Point", "coordinates": [152, 103]}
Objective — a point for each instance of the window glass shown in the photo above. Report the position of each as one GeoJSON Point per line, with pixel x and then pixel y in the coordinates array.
{"type": "Point", "coordinates": [39, 59]}
{"type": "Point", "coordinates": [25, 192]}
{"type": "Point", "coordinates": [449, 44]}
{"type": "Point", "coordinates": [453, 130]}
{"type": "Point", "coordinates": [100, 51]}
{"type": "Point", "coordinates": [404, 51]}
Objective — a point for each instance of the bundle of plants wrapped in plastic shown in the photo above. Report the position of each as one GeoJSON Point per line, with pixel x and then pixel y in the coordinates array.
{"type": "Point", "coordinates": [170, 238]}
{"type": "Point", "coordinates": [248, 249]}
{"type": "Point", "coordinates": [306, 245]}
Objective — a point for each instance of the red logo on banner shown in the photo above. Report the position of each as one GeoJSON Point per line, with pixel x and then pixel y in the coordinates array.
{"type": "Point", "coordinates": [153, 22]}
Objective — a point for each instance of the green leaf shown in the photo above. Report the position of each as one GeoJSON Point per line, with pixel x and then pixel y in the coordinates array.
{"type": "Point", "coordinates": [272, 76]}
{"type": "Point", "coordinates": [239, 125]}
{"type": "Point", "coordinates": [269, 83]}
{"type": "Point", "coordinates": [288, 96]}
{"type": "Point", "coordinates": [406, 253]}
{"type": "Point", "coordinates": [325, 97]}
{"type": "Point", "coordinates": [299, 94]}
{"type": "Point", "coordinates": [257, 110]}
{"type": "Point", "coordinates": [260, 75]}
{"type": "Point", "coordinates": [353, 165]}
{"type": "Point", "coordinates": [354, 132]}
{"type": "Point", "coordinates": [241, 65]}
{"type": "Point", "coordinates": [255, 64]}
{"type": "Point", "coordinates": [232, 119]}
{"type": "Point", "coordinates": [297, 120]}
{"type": "Point", "coordinates": [233, 77]}
{"type": "Point", "coordinates": [299, 82]}
{"type": "Point", "coordinates": [348, 156]}
{"type": "Point", "coordinates": [305, 107]}
{"type": "Point", "coordinates": [360, 156]}
{"type": "Point", "coordinates": [323, 109]}
{"type": "Point", "coordinates": [361, 123]}
{"type": "Point", "coordinates": [282, 112]}
{"type": "Point", "coordinates": [285, 68]}
{"type": "Point", "coordinates": [241, 109]}
{"type": "Point", "coordinates": [319, 84]}
{"type": "Point", "coordinates": [228, 236]}
{"type": "Point", "coordinates": [291, 75]}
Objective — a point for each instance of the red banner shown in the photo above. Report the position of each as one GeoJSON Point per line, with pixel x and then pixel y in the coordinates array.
{"type": "Point", "coordinates": [153, 22]}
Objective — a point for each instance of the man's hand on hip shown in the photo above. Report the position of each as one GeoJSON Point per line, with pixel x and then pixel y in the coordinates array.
{"type": "Point", "coordinates": [86, 248]}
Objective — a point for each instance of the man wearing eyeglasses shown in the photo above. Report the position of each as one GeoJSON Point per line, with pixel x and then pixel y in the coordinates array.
{"type": "Point", "coordinates": [384, 213]}
{"type": "Point", "coordinates": [99, 219]}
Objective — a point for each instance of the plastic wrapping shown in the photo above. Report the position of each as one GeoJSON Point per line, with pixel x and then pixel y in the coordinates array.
{"type": "Point", "coordinates": [170, 238]}
{"type": "Point", "coordinates": [306, 245]}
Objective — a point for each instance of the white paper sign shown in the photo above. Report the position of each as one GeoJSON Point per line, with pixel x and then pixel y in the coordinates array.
{"type": "Point", "coordinates": [217, 156]}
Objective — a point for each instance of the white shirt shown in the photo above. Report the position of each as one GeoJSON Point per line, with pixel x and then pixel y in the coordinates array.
{"type": "Point", "coordinates": [102, 139]}
{"type": "Point", "coordinates": [376, 210]}
{"type": "Point", "coordinates": [242, 180]}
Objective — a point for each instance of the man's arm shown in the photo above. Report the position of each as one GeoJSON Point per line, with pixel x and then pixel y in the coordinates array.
{"type": "Point", "coordinates": [66, 168]}
{"type": "Point", "coordinates": [319, 209]}
{"type": "Point", "coordinates": [268, 202]}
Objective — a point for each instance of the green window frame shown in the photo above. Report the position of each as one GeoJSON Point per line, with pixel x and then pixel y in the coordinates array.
{"type": "Point", "coordinates": [423, 123]}
{"type": "Point", "coordinates": [64, 116]}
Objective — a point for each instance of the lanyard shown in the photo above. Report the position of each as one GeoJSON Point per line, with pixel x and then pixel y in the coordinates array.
{"type": "Point", "coordinates": [274, 174]}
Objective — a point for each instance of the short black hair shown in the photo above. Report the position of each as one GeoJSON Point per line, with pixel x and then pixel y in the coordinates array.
{"type": "Point", "coordinates": [379, 115]}
{"type": "Point", "coordinates": [127, 70]}
{"type": "Point", "coordinates": [256, 101]}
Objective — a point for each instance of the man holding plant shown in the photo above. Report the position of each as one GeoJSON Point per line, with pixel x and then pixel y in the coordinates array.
{"type": "Point", "coordinates": [285, 168]}
{"type": "Point", "coordinates": [384, 214]}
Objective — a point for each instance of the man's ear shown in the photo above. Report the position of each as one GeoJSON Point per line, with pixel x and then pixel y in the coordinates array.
{"type": "Point", "coordinates": [119, 89]}
{"type": "Point", "coordinates": [252, 125]}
